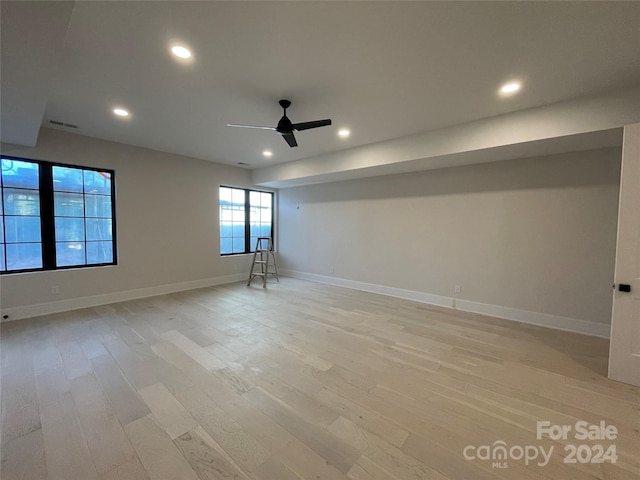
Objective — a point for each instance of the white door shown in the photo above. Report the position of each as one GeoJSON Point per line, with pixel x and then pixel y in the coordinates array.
{"type": "Point", "coordinates": [624, 354]}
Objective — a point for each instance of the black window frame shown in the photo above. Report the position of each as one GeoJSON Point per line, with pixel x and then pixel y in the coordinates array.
{"type": "Point", "coordinates": [248, 248]}
{"type": "Point", "coordinates": [47, 216]}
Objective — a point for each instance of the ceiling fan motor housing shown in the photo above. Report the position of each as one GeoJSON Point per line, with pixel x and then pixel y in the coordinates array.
{"type": "Point", "coordinates": [284, 125]}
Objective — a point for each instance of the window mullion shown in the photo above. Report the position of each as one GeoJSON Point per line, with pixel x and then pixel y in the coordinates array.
{"type": "Point", "coordinates": [84, 221]}
{"type": "Point", "coordinates": [247, 223]}
{"type": "Point", "coordinates": [273, 234]}
{"type": "Point", "coordinates": [47, 222]}
{"type": "Point", "coordinates": [114, 235]}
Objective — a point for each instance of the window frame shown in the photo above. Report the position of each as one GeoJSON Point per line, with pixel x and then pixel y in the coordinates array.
{"type": "Point", "coordinates": [248, 248]}
{"type": "Point", "coordinates": [47, 216]}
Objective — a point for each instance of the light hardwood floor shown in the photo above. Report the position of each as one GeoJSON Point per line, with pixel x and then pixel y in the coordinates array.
{"type": "Point", "coordinates": [298, 381]}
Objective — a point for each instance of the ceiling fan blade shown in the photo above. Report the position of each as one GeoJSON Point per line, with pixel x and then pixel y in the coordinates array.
{"type": "Point", "coordinates": [290, 139]}
{"type": "Point", "coordinates": [308, 125]}
{"type": "Point", "coordinates": [249, 126]}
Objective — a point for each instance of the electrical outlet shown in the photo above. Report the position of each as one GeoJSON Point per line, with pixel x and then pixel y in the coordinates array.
{"type": "Point", "coordinates": [55, 290]}
{"type": "Point", "coordinates": [330, 269]}
{"type": "Point", "coordinates": [458, 289]}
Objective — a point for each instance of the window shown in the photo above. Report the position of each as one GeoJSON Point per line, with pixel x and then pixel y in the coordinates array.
{"type": "Point", "coordinates": [21, 227]}
{"type": "Point", "coordinates": [55, 216]}
{"type": "Point", "coordinates": [245, 215]}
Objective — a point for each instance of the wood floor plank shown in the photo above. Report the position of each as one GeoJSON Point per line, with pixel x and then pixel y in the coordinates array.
{"type": "Point", "coordinates": [305, 405]}
{"type": "Point", "coordinates": [67, 454]}
{"type": "Point", "coordinates": [308, 357]}
{"type": "Point", "coordinates": [158, 454]}
{"type": "Point", "coordinates": [206, 457]}
{"type": "Point", "coordinates": [241, 410]}
{"type": "Point", "coordinates": [310, 408]}
{"type": "Point", "coordinates": [130, 470]}
{"type": "Point", "coordinates": [289, 370]}
{"type": "Point", "coordinates": [126, 402]}
{"type": "Point", "coordinates": [23, 458]}
{"type": "Point", "coordinates": [384, 455]}
{"type": "Point", "coordinates": [199, 337]}
{"type": "Point", "coordinates": [20, 412]}
{"type": "Point", "coordinates": [92, 347]}
{"type": "Point", "coordinates": [138, 373]}
{"type": "Point", "coordinates": [305, 462]}
{"type": "Point", "coordinates": [173, 355]}
{"type": "Point", "coordinates": [342, 375]}
{"type": "Point", "coordinates": [195, 351]}
{"type": "Point", "coordinates": [273, 469]}
{"type": "Point", "coordinates": [294, 454]}
{"type": "Point", "coordinates": [170, 376]}
{"type": "Point", "coordinates": [245, 450]}
{"type": "Point", "coordinates": [233, 376]}
{"type": "Point", "coordinates": [337, 453]}
{"type": "Point", "coordinates": [75, 362]}
{"type": "Point", "coordinates": [371, 421]}
{"type": "Point", "coordinates": [170, 413]}
{"type": "Point", "coordinates": [366, 469]}
{"type": "Point", "coordinates": [218, 350]}
{"type": "Point", "coordinates": [66, 450]}
{"type": "Point", "coordinates": [105, 437]}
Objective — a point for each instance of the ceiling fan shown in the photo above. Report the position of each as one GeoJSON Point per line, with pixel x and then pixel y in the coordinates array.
{"type": "Point", "coordinates": [285, 127]}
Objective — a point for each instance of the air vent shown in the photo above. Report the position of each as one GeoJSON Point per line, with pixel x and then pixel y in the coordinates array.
{"type": "Point", "coordinates": [62, 124]}
{"type": "Point", "coordinates": [244, 164]}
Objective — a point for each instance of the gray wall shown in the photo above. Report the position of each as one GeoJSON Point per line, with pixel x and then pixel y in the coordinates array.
{"type": "Point", "coordinates": [535, 234]}
{"type": "Point", "coordinates": [167, 221]}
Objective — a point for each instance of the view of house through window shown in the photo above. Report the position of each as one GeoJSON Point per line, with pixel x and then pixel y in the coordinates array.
{"type": "Point", "coordinates": [245, 215]}
{"type": "Point", "coordinates": [82, 212]}
{"type": "Point", "coordinates": [55, 216]}
{"type": "Point", "coordinates": [21, 231]}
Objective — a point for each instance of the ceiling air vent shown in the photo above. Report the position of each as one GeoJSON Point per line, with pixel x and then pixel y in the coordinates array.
{"type": "Point", "coordinates": [62, 124]}
{"type": "Point", "coordinates": [244, 164]}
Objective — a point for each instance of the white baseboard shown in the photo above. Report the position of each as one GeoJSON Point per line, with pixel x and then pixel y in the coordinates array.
{"type": "Point", "coordinates": [371, 288]}
{"type": "Point", "coordinates": [29, 311]}
{"type": "Point", "coordinates": [534, 318]}
{"type": "Point", "coordinates": [567, 324]}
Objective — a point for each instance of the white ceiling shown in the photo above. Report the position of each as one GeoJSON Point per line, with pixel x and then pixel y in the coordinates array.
{"type": "Point", "coordinates": [382, 69]}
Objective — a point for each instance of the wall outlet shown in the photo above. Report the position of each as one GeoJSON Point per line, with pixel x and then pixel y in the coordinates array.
{"type": "Point", "coordinates": [330, 269]}
{"type": "Point", "coordinates": [458, 289]}
{"type": "Point", "coordinates": [55, 290]}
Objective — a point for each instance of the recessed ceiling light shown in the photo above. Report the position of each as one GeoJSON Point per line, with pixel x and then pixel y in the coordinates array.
{"type": "Point", "coordinates": [180, 51]}
{"type": "Point", "coordinates": [267, 153]}
{"type": "Point", "coordinates": [511, 87]}
{"type": "Point", "coordinates": [344, 133]}
{"type": "Point", "coordinates": [121, 112]}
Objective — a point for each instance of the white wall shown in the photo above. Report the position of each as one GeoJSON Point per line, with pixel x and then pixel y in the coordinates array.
{"type": "Point", "coordinates": [167, 227]}
{"type": "Point", "coordinates": [530, 239]}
